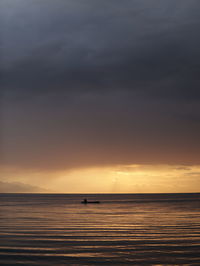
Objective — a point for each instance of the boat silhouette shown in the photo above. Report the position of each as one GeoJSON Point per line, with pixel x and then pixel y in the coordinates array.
{"type": "Point", "coordinates": [85, 201]}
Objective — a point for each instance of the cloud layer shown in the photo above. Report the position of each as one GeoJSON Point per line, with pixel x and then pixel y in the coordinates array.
{"type": "Point", "coordinates": [99, 83]}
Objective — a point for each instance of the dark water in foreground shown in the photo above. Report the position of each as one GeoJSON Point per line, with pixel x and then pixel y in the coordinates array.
{"type": "Point", "coordinates": [143, 229]}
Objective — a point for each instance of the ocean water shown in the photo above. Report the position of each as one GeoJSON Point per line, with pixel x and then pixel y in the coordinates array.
{"type": "Point", "coordinates": [125, 229]}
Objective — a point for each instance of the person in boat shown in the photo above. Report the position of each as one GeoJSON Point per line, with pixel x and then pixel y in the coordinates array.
{"type": "Point", "coordinates": [85, 201]}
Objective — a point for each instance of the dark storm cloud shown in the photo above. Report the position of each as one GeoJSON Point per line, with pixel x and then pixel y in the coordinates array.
{"type": "Point", "coordinates": [100, 82]}
{"type": "Point", "coordinates": [78, 45]}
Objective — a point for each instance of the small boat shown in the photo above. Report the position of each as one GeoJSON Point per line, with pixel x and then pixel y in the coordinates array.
{"type": "Point", "coordinates": [85, 201]}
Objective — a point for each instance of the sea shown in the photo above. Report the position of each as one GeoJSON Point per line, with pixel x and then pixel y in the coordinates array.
{"type": "Point", "coordinates": [123, 229]}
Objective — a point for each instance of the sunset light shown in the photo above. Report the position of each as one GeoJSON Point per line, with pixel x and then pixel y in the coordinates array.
{"type": "Point", "coordinates": [99, 132]}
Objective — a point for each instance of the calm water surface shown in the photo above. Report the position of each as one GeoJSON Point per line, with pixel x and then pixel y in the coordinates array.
{"type": "Point", "coordinates": [133, 229]}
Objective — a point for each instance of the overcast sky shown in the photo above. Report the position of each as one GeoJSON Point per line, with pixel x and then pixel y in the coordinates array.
{"type": "Point", "coordinates": [99, 83]}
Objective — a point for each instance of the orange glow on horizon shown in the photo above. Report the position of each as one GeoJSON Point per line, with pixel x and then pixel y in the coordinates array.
{"type": "Point", "coordinates": [115, 179]}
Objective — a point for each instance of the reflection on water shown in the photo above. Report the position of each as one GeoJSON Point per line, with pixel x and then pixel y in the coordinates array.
{"type": "Point", "coordinates": [148, 229]}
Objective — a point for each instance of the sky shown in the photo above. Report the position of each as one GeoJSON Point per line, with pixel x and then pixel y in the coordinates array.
{"type": "Point", "coordinates": [100, 96]}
